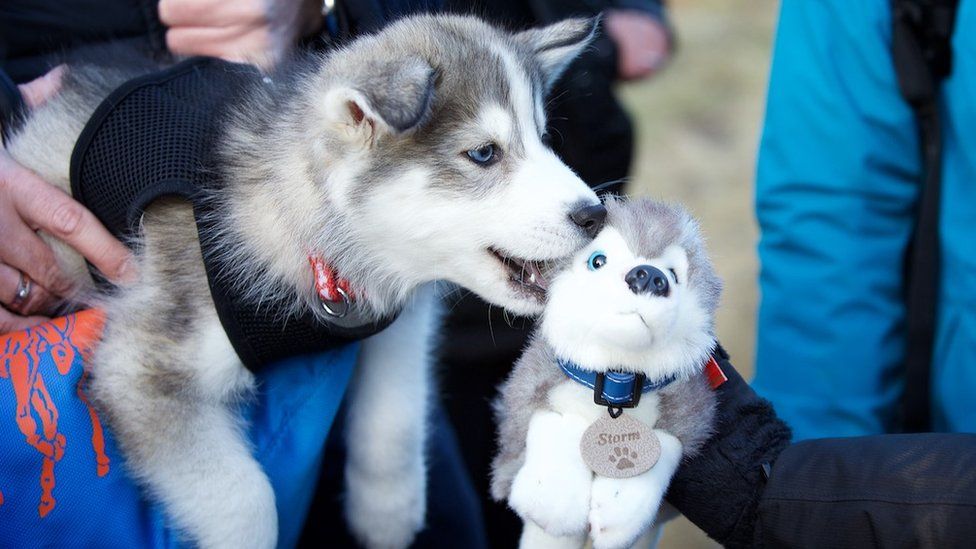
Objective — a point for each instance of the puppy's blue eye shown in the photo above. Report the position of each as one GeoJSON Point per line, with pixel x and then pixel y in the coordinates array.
{"type": "Point", "coordinates": [596, 260]}
{"type": "Point", "coordinates": [483, 155]}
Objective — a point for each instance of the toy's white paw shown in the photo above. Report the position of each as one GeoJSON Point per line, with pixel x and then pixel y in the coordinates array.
{"type": "Point", "coordinates": [385, 513]}
{"type": "Point", "coordinates": [555, 498]}
{"type": "Point", "coordinates": [534, 537]}
{"type": "Point", "coordinates": [621, 510]}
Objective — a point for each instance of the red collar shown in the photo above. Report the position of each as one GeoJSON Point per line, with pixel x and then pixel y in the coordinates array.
{"type": "Point", "coordinates": [330, 288]}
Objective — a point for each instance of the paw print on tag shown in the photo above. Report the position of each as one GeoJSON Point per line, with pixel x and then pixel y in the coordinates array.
{"type": "Point", "coordinates": [621, 447]}
{"type": "Point", "coordinates": [622, 457]}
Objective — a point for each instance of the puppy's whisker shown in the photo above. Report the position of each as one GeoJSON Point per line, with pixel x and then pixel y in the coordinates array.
{"type": "Point", "coordinates": [491, 329]}
{"type": "Point", "coordinates": [509, 319]}
{"type": "Point", "coordinates": [607, 184]}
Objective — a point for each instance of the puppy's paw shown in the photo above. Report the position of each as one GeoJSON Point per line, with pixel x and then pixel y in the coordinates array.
{"type": "Point", "coordinates": [248, 519]}
{"type": "Point", "coordinates": [385, 512]}
{"type": "Point", "coordinates": [553, 497]}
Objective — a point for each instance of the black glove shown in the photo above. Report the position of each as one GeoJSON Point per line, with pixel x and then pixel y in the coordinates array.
{"type": "Point", "coordinates": [719, 489]}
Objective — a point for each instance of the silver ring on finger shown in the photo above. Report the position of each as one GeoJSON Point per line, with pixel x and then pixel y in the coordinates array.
{"type": "Point", "coordinates": [24, 286]}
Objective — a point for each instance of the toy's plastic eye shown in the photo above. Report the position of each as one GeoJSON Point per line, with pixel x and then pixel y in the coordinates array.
{"type": "Point", "coordinates": [596, 260]}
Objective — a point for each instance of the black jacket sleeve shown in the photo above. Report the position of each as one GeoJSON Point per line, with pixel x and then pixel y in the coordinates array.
{"type": "Point", "coordinates": [881, 491]}
{"type": "Point", "coordinates": [749, 487]}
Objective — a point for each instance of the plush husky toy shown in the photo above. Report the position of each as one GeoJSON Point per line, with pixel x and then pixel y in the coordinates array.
{"type": "Point", "coordinates": [611, 392]}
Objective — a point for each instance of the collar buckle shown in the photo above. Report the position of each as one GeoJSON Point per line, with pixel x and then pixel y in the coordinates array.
{"type": "Point", "coordinates": [636, 391]}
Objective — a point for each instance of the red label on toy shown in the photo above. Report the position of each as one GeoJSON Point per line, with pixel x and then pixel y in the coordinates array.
{"type": "Point", "coordinates": [716, 377]}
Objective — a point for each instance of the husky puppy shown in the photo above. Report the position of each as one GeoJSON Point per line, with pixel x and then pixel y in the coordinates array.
{"type": "Point", "coordinates": [406, 157]}
{"type": "Point", "coordinates": [638, 299]}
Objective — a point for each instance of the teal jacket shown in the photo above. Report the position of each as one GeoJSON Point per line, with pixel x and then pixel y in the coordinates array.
{"type": "Point", "coordinates": [837, 184]}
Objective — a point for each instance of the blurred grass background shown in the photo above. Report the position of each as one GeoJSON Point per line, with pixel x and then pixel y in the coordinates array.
{"type": "Point", "coordinates": [698, 125]}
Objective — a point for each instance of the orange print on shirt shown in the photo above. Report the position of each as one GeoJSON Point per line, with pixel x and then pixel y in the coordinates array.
{"type": "Point", "coordinates": [63, 340]}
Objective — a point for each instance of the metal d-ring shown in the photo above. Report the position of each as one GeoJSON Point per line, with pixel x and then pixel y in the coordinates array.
{"type": "Point", "coordinates": [345, 304]}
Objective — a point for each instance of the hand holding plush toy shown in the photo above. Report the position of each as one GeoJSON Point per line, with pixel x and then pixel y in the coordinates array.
{"type": "Point", "coordinates": [611, 393]}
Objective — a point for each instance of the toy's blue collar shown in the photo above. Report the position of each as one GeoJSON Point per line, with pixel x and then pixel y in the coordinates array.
{"type": "Point", "coordinates": [616, 389]}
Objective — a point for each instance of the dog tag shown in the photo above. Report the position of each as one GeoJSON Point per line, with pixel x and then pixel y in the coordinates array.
{"type": "Point", "coordinates": [619, 448]}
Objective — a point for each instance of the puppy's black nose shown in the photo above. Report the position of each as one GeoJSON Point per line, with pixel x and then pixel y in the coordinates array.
{"type": "Point", "coordinates": [590, 218]}
{"type": "Point", "coordinates": [644, 278]}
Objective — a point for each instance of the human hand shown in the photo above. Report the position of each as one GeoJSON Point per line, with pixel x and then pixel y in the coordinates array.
{"type": "Point", "coordinates": [249, 31]}
{"type": "Point", "coordinates": [31, 282]}
{"type": "Point", "coordinates": [718, 489]}
{"type": "Point", "coordinates": [643, 44]}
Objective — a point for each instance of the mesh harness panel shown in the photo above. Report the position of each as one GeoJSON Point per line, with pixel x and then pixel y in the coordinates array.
{"type": "Point", "coordinates": [154, 136]}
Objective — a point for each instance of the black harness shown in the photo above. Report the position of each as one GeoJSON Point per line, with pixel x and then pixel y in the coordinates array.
{"type": "Point", "coordinates": [154, 136]}
{"type": "Point", "coordinates": [922, 52]}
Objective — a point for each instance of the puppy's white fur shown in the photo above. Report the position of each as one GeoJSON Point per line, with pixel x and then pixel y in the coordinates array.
{"type": "Point", "coordinates": [385, 434]}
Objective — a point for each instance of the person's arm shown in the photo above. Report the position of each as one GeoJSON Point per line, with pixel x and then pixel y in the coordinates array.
{"type": "Point", "coordinates": [749, 487]}
{"type": "Point", "coordinates": [261, 32]}
{"type": "Point", "coordinates": [878, 491]}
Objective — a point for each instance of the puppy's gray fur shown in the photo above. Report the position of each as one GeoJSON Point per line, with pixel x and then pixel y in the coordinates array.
{"type": "Point", "coordinates": [359, 156]}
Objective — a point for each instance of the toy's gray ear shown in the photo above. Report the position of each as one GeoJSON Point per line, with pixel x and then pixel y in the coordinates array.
{"type": "Point", "coordinates": [555, 46]}
{"type": "Point", "coordinates": [391, 95]}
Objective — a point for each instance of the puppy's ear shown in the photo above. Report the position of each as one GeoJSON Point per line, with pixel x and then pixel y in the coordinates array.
{"type": "Point", "coordinates": [383, 97]}
{"type": "Point", "coordinates": [556, 45]}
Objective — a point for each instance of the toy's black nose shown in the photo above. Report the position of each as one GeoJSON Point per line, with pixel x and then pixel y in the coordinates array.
{"type": "Point", "coordinates": [590, 218]}
{"type": "Point", "coordinates": [644, 278]}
